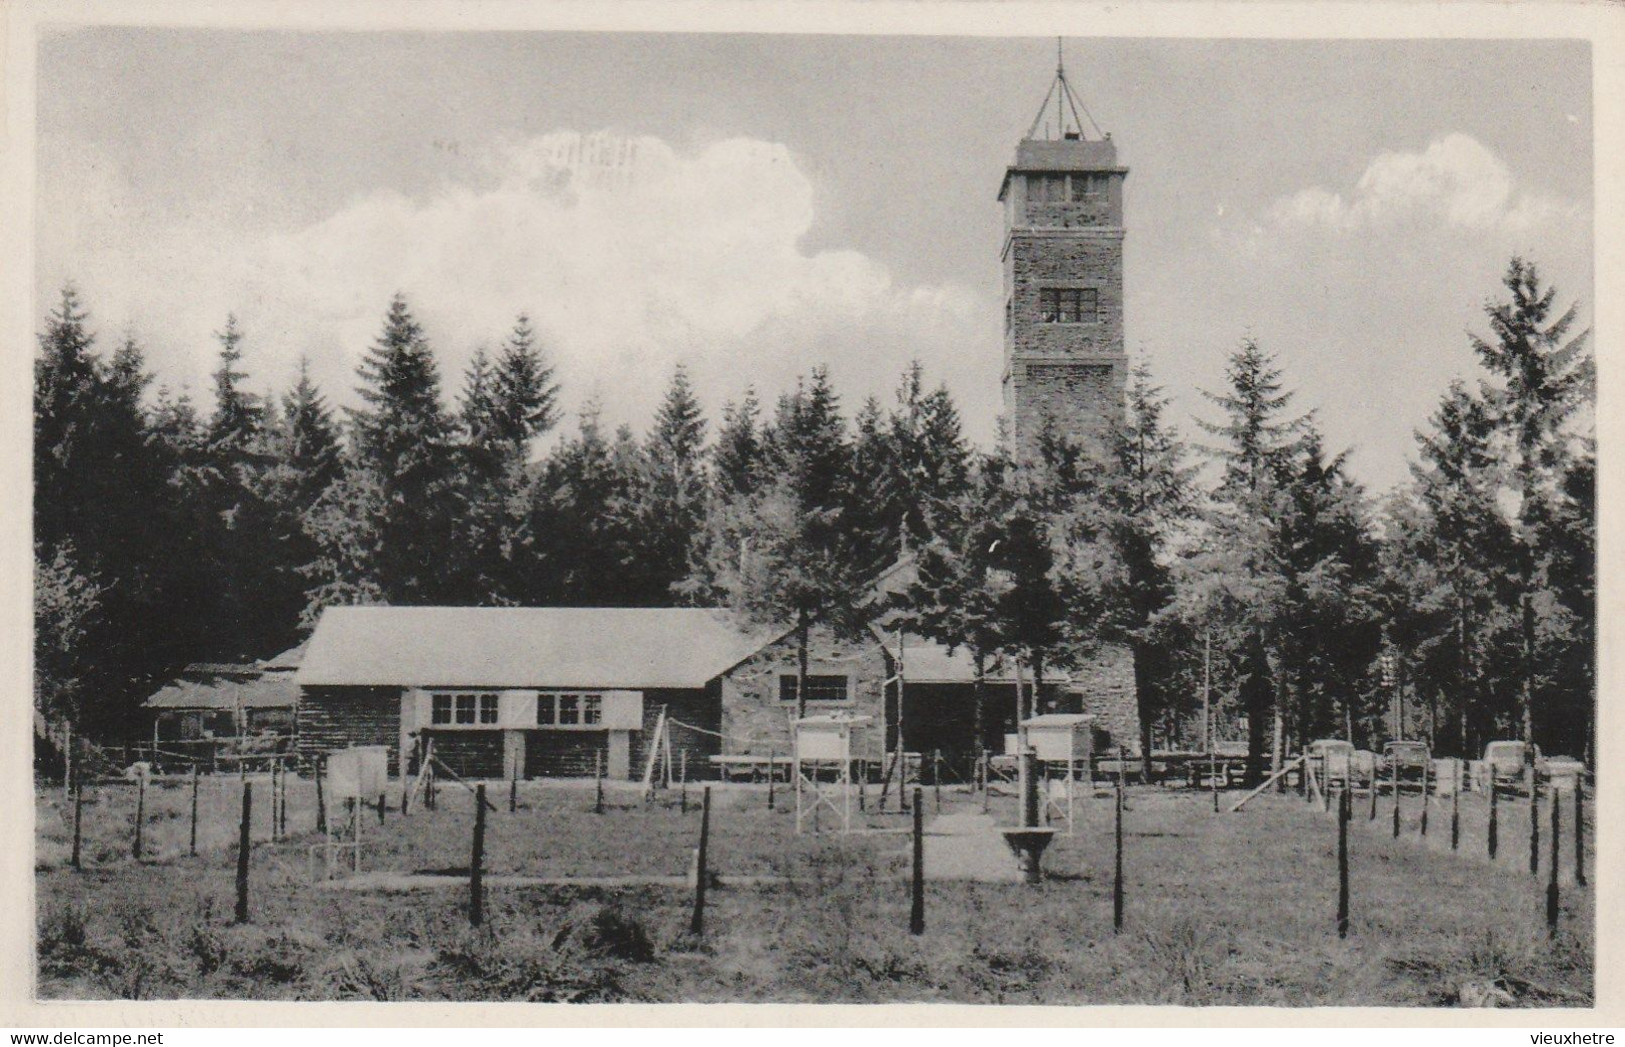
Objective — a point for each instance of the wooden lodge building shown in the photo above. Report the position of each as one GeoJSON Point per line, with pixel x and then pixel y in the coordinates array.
{"type": "Point", "coordinates": [550, 692]}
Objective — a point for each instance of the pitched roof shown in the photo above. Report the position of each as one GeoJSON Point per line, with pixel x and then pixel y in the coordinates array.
{"type": "Point", "coordinates": [608, 647]}
{"type": "Point", "coordinates": [288, 659]}
{"type": "Point", "coordinates": [926, 661]}
{"type": "Point", "coordinates": [219, 691]}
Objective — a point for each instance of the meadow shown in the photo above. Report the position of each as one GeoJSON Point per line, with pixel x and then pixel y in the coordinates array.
{"type": "Point", "coordinates": [1221, 909]}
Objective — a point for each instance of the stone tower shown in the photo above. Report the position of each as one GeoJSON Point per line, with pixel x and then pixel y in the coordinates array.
{"type": "Point", "coordinates": [1063, 275]}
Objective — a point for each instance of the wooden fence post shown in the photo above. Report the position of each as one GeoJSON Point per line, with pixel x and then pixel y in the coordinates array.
{"type": "Point", "coordinates": [682, 775]}
{"type": "Point", "coordinates": [1426, 766]}
{"type": "Point", "coordinates": [773, 775]}
{"type": "Point", "coordinates": [406, 776]}
{"type": "Point", "coordinates": [513, 792]}
{"type": "Point", "coordinates": [1375, 789]}
{"type": "Point", "coordinates": [191, 846]}
{"type": "Point", "coordinates": [380, 808]}
{"type": "Point", "coordinates": [243, 844]}
{"type": "Point", "coordinates": [1551, 883]}
{"type": "Point", "coordinates": [916, 909]}
{"type": "Point", "coordinates": [1395, 783]}
{"type": "Point", "coordinates": [1579, 832]}
{"type": "Point", "coordinates": [598, 780]}
{"type": "Point", "coordinates": [1213, 778]}
{"type": "Point", "coordinates": [1534, 824]}
{"type": "Point", "coordinates": [140, 812]}
{"type": "Point", "coordinates": [1344, 805]}
{"type": "Point", "coordinates": [1117, 877]}
{"type": "Point", "coordinates": [1455, 809]}
{"type": "Point", "coordinates": [1494, 837]}
{"type": "Point", "coordinates": [702, 872]}
{"type": "Point", "coordinates": [936, 776]}
{"type": "Point", "coordinates": [987, 776]}
{"type": "Point", "coordinates": [476, 871]}
{"type": "Point", "coordinates": [321, 797]}
{"type": "Point", "coordinates": [78, 811]}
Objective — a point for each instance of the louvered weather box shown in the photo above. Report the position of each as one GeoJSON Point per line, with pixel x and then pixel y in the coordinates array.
{"type": "Point", "coordinates": [358, 773]}
{"type": "Point", "coordinates": [828, 738]}
{"type": "Point", "coordinates": [1061, 737]}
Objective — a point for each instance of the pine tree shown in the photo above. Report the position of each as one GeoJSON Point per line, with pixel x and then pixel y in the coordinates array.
{"type": "Point", "coordinates": [403, 442]}
{"type": "Point", "coordinates": [930, 461]}
{"type": "Point", "coordinates": [672, 495]}
{"type": "Point", "coordinates": [103, 511]}
{"type": "Point", "coordinates": [308, 440]}
{"type": "Point", "coordinates": [303, 459]}
{"type": "Point", "coordinates": [1238, 582]}
{"type": "Point", "coordinates": [1447, 585]}
{"type": "Point", "coordinates": [956, 596]}
{"type": "Point", "coordinates": [1256, 435]}
{"type": "Point", "coordinates": [524, 394]}
{"type": "Point", "coordinates": [581, 519]}
{"type": "Point", "coordinates": [1147, 502]}
{"type": "Point", "coordinates": [1540, 376]}
{"type": "Point", "coordinates": [238, 416]}
{"type": "Point", "coordinates": [874, 512]}
{"type": "Point", "coordinates": [737, 458]}
{"type": "Point", "coordinates": [785, 554]}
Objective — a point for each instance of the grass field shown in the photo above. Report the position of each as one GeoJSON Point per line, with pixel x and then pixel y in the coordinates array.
{"type": "Point", "coordinates": [1229, 909]}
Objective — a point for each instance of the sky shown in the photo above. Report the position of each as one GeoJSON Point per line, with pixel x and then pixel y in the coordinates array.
{"type": "Point", "coordinates": [752, 206]}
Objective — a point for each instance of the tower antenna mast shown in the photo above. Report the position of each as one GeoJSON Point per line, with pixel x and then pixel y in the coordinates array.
{"type": "Point", "coordinates": [1065, 100]}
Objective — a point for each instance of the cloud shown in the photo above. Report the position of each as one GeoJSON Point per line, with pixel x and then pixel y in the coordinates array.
{"type": "Point", "coordinates": [628, 254]}
{"type": "Point", "coordinates": [1455, 181]}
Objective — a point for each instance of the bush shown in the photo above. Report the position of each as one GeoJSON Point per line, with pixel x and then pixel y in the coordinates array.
{"type": "Point", "coordinates": [616, 933]}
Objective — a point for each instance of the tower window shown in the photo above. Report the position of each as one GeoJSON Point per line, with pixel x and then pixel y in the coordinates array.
{"type": "Point", "coordinates": [1068, 305]}
{"type": "Point", "coordinates": [1088, 187]}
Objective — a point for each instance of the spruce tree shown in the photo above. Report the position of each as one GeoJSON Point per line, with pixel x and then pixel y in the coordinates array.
{"type": "Point", "coordinates": [1148, 502]}
{"type": "Point", "coordinates": [524, 391]}
{"type": "Point", "coordinates": [737, 465]}
{"type": "Point", "coordinates": [1540, 377]}
{"type": "Point", "coordinates": [1238, 581]}
{"type": "Point", "coordinates": [238, 416]}
{"type": "Point", "coordinates": [403, 441]}
{"type": "Point", "coordinates": [671, 505]}
{"type": "Point", "coordinates": [581, 516]}
{"type": "Point", "coordinates": [786, 553]}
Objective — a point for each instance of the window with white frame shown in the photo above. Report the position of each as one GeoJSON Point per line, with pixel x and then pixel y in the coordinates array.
{"type": "Point", "coordinates": [820, 688]}
{"type": "Point", "coordinates": [569, 710]}
{"type": "Point", "coordinates": [463, 710]}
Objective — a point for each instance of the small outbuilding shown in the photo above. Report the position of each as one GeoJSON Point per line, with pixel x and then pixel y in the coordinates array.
{"type": "Point", "coordinates": [213, 704]}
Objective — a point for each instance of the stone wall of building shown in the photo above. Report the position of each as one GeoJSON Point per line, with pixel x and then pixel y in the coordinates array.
{"type": "Point", "coordinates": [1103, 687]}
{"type": "Point", "coordinates": [755, 722]}
{"type": "Point", "coordinates": [1073, 372]}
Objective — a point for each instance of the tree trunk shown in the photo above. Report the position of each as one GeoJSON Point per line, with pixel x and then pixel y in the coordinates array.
{"type": "Point", "coordinates": [1256, 690]}
{"type": "Point", "coordinates": [1145, 699]}
{"type": "Point", "coordinates": [979, 700]}
{"type": "Point", "coordinates": [802, 628]}
{"type": "Point", "coordinates": [1463, 671]}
